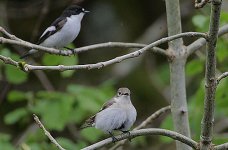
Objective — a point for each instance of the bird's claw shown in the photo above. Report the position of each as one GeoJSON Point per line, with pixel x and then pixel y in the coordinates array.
{"type": "Point", "coordinates": [72, 50]}
{"type": "Point", "coordinates": [114, 139]}
{"type": "Point", "coordinates": [127, 132]}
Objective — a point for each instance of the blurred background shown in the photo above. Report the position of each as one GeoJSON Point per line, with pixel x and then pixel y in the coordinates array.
{"type": "Point", "coordinates": [63, 100]}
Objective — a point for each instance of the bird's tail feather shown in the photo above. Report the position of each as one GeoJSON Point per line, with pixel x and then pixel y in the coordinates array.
{"type": "Point", "coordinates": [25, 55]}
{"type": "Point", "coordinates": [29, 53]}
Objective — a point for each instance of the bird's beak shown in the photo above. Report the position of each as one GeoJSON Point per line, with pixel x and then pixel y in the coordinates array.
{"type": "Point", "coordinates": [86, 11]}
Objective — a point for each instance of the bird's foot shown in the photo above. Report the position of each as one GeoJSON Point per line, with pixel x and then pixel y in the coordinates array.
{"type": "Point", "coordinates": [127, 132]}
{"type": "Point", "coordinates": [71, 49]}
{"type": "Point", "coordinates": [114, 139]}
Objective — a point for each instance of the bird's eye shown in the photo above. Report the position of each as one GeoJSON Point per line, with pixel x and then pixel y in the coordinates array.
{"type": "Point", "coordinates": [119, 93]}
{"type": "Point", "coordinates": [83, 9]}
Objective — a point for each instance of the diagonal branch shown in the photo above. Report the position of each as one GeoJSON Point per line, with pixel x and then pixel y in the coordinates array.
{"type": "Point", "coordinates": [145, 123]}
{"type": "Point", "coordinates": [221, 147]}
{"type": "Point", "coordinates": [8, 60]}
{"type": "Point", "coordinates": [16, 41]}
{"type": "Point", "coordinates": [148, 131]}
{"type": "Point", "coordinates": [192, 48]}
{"type": "Point", "coordinates": [13, 37]}
{"type": "Point", "coordinates": [119, 59]}
{"type": "Point", "coordinates": [78, 50]}
{"type": "Point", "coordinates": [200, 3]}
{"type": "Point", "coordinates": [222, 76]}
{"type": "Point", "coordinates": [47, 133]}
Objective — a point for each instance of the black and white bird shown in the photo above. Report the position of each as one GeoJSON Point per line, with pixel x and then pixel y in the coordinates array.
{"type": "Point", "coordinates": [63, 30]}
{"type": "Point", "coordinates": [116, 114]}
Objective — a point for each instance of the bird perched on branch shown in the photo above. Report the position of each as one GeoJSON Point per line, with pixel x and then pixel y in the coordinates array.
{"type": "Point", "coordinates": [116, 114]}
{"type": "Point", "coordinates": [63, 30]}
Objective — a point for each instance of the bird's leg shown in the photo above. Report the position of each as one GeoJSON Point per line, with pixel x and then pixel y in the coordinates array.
{"type": "Point", "coordinates": [127, 132]}
{"type": "Point", "coordinates": [113, 137]}
{"type": "Point", "coordinates": [71, 49]}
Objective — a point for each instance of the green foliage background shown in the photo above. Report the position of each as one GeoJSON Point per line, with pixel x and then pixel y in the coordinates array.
{"type": "Point", "coordinates": [64, 109]}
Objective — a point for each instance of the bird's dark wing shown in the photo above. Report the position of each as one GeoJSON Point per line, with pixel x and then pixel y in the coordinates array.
{"type": "Point", "coordinates": [107, 104]}
{"type": "Point", "coordinates": [89, 122]}
{"type": "Point", "coordinates": [55, 27]}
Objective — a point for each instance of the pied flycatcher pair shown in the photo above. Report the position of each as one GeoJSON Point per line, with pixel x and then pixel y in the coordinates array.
{"type": "Point", "coordinates": [63, 30]}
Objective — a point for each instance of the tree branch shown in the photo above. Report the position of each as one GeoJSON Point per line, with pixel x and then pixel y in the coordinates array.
{"type": "Point", "coordinates": [8, 60]}
{"type": "Point", "coordinates": [210, 79]}
{"type": "Point", "coordinates": [47, 133]}
{"type": "Point", "coordinates": [201, 42]}
{"type": "Point", "coordinates": [221, 147]}
{"type": "Point", "coordinates": [222, 76]}
{"type": "Point", "coordinates": [144, 124]}
{"type": "Point", "coordinates": [13, 37]}
{"type": "Point", "coordinates": [200, 3]}
{"type": "Point", "coordinates": [16, 41]}
{"type": "Point", "coordinates": [148, 131]}
{"type": "Point", "coordinates": [177, 50]}
{"type": "Point", "coordinates": [99, 65]}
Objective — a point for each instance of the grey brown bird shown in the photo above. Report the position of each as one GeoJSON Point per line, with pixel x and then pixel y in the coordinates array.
{"type": "Point", "coordinates": [116, 114]}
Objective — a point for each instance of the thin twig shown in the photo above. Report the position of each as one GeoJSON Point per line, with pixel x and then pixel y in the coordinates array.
{"type": "Point", "coordinates": [86, 48]}
{"type": "Point", "coordinates": [210, 79]}
{"type": "Point", "coordinates": [13, 37]}
{"type": "Point", "coordinates": [47, 133]}
{"type": "Point", "coordinates": [222, 76]}
{"type": "Point", "coordinates": [148, 120]}
{"type": "Point", "coordinates": [99, 65]}
{"type": "Point", "coordinates": [8, 60]}
{"type": "Point", "coordinates": [148, 131]}
{"type": "Point", "coordinates": [192, 48]}
{"type": "Point", "coordinates": [200, 3]}
{"type": "Point", "coordinates": [221, 147]}
{"type": "Point", "coordinates": [16, 41]}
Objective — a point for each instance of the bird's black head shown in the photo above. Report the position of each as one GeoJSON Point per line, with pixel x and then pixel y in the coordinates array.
{"type": "Point", "coordinates": [73, 10]}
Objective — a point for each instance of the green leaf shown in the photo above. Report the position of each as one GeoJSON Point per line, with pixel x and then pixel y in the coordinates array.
{"type": "Point", "coordinates": [91, 134]}
{"type": "Point", "coordinates": [195, 111]}
{"type": "Point", "coordinates": [221, 101]}
{"type": "Point", "coordinates": [223, 18]}
{"type": "Point", "coordinates": [72, 60]}
{"type": "Point", "coordinates": [6, 146]}
{"type": "Point", "coordinates": [79, 114]}
{"type": "Point", "coordinates": [69, 145]}
{"type": "Point", "coordinates": [15, 96]}
{"type": "Point", "coordinates": [88, 98]}
{"type": "Point", "coordinates": [15, 116]}
{"type": "Point", "coordinates": [71, 45]}
{"type": "Point", "coordinates": [5, 52]}
{"type": "Point", "coordinates": [51, 60]}
{"type": "Point", "coordinates": [194, 67]}
{"type": "Point", "coordinates": [167, 124]}
{"type": "Point", "coordinates": [55, 109]}
{"type": "Point", "coordinates": [5, 142]}
{"type": "Point", "coordinates": [199, 21]}
{"type": "Point", "coordinates": [14, 75]}
{"type": "Point", "coordinates": [4, 137]}
{"type": "Point", "coordinates": [222, 53]}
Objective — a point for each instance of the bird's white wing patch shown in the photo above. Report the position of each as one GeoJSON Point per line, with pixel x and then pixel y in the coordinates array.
{"type": "Point", "coordinates": [49, 29]}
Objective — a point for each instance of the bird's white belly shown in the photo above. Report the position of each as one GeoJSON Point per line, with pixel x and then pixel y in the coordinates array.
{"type": "Point", "coordinates": [131, 117]}
{"type": "Point", "coordinates": [65, 36]}
{"type": "Point", "coordinates": [110, 119]}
